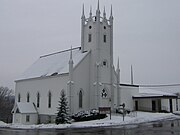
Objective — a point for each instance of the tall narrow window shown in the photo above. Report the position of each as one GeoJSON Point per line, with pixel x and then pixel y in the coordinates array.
{"type": "Point", "coordinates": [80, 99]}
{"type": "Point", "coordinates": [19, 97]}
{"type": "Point", "coordinates": [104, 38]}
{"type": "Point", "coordinates": [28, 96]}
{"type": "Point", "coordinates": [27, 118]}
{"type": "Point", "coordinates": [89, 37]}
{"type": "Point", "coordinates": [49, 99]}
{"type": "Point", "coordinates": [38, 99]}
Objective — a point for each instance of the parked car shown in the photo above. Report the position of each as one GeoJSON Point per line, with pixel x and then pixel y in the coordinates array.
{"type": "Point", "coordinates": [122, 110]}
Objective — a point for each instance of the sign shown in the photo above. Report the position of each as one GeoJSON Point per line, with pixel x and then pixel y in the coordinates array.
{"type": "Point", "coordinates": [105, 110]}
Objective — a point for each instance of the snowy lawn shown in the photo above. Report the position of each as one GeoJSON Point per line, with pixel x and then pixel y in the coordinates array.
{"type": "Point", "coordinates": [116, 120]}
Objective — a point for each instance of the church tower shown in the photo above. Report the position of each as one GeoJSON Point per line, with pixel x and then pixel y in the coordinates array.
{"type": "Point", "coordinates": [97, 37]}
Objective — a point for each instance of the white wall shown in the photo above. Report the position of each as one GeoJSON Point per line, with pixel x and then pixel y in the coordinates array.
{"type": "Point", "coordinates": [81, 82]}
{"type": "Point", "coordinates": [127, 92]}
{"type": "Point", "coordinates": [165, 103]}
{"type": "Point", "coordinates": [33, 119]}
{"type": "Point", "coordinates": [16, 118]}
{"type": "Point", "coordinates": [43, 86]}
{"type": "Point", "coordinates": [21, 118]}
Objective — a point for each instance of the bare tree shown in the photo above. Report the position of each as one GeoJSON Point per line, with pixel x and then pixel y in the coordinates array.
{"type": "Point", "coordinates": [6, 104]}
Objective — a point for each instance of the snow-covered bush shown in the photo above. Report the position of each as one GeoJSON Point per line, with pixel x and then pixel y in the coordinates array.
{"type": "Point", "coordinates": [88, 115]}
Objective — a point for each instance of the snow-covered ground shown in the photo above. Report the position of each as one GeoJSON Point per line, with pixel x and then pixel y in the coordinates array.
{"type": "Point", "coordinates": [116, 119]}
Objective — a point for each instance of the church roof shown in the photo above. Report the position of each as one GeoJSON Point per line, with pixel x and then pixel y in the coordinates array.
{"type": "Point", "coordinates": [53, 64]}
{"type": "Point", "coordinates": [24, 108]}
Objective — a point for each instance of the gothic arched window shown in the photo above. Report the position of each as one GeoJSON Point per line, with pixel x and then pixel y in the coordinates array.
{"type": "Point", "coordinates": [19, 97]}
{"type": "Point", "coordinates": [49, 99]}
{"type": "Point", "coordinates": [104, 38]}
{"type": "Point", "coordinates": [38, 99]}
{"type": "Point", "coordinates": [89, 37]}
{"type": "Point", "coordinates": [80, 99]}
{"type": "Point", "coordinates": [28, 97]}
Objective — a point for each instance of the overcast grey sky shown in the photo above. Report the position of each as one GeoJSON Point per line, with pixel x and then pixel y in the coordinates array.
{"type": "Point", "coordinates": [146, 35]}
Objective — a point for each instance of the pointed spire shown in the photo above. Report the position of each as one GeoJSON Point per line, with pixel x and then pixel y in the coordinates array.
{"type": "Point", "coordinates": [71, 54]}
{"type": "Point", "coordinates": [71, 59]}
{"type": "Point", "coordinates": [131, 75]}
{"type": "Point", "coordinates": [104, 13]}
{"type": "Point", "coordinates": [111, 16]}
{"type": "Point", "coordinates": [111, 11]}
{"type": "Point", "coordinates": [98, 5]}
{"type": "Point", "coordinates": [90, 13]}
{"type": "Point", "coordinates": [98, 10]}
{"type": "Point", "coordinates": [83, 11]}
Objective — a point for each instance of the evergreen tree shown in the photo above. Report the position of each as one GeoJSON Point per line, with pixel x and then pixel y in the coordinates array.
{"type": "Point", "coordinates": [62, 115]}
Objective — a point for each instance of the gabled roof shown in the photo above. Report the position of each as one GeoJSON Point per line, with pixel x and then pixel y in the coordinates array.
{"type": "Point", "coordinates": [53, 64]}
{"type": "Point", "coordinates": [24, 107]}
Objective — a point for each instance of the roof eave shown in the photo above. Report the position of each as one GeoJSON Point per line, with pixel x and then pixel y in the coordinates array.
{"type": "Point", "coordinates": [162, 97]}
{"type": "Point", "coordinates": [42, 77]}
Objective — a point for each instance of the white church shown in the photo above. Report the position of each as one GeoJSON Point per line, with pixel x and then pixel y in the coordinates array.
{"type": "Point", "coordinates": [86, 74]}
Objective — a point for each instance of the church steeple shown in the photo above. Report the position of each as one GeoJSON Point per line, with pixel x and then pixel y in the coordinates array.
{"type": "Point", "coordinates": [97, 38]}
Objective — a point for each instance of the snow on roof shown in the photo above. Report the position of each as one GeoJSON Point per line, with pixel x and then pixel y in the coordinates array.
{"type": "Point", "coordinates": [26, 107]}
{"type": "Point", "coordinates": [145, 92]}
{"type": "Point", "coordinates": [56, 63]}
{"type": "Point", "coordinates": [156, 92]}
